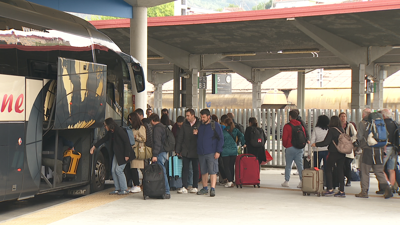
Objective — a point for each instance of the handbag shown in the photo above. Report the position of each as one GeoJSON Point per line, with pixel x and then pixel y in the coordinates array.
{"type": "Point", "coordinates": [268, 157]}
{"type": "Point", "coordinates": [143, 152]}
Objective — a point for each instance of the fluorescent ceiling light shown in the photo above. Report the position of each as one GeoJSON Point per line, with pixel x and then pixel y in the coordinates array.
{"type": "Point", "coordinates": [298, 51]}
{"type": "Point", "coordinates": [154, 57]}
{"type": "Point", "coordinates": [239, 54]}
{"type": "Point", "coordinates": [396, 46]}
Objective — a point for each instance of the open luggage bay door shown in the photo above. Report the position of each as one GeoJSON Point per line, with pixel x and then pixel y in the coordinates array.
{"type": "Point", "coordinates": [81, 94]}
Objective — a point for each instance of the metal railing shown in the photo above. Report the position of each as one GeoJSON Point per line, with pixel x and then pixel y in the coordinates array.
{"type": "Point", "coordinates": [272, 122]}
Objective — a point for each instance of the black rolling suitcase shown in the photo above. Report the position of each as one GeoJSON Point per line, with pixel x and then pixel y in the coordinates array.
{"type": "Point", "coordinates": [153, 181]}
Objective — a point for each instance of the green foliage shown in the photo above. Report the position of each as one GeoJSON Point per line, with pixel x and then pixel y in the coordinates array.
{"type": "Point", "coordinates": [232, 6]}
{"type": "Point", "coordinates": [263, 5]}
{"type": "Point", "coordinates": [161, 10]}
{"type": "Point", "coordinates": [217, 5]}
{"type": "Point", "coordinates": [94, 17]}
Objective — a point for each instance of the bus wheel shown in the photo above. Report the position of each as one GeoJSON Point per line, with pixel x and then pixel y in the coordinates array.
{"type": "Point", "coordinates": [99, 176]}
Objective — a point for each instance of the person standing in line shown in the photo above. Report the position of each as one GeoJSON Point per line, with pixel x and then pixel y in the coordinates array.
{"type": "Point", "coordinates": [318, 135]}
{"type": "Point", "coordinates": [292, 153]}
{"type": "Point", "coordinates": [352, 132]}
{"type": "Point", "coordinates": [249, 134]}
{"type": "Point", "coordinates": [159, 153]}
{"type": "Point", "coordinates": [186, 146]}
{"type": "Point", "coordinates": [209, 147]}
{"type": "Point", "coordinates": [139, 133]}
{"type": "Point", "coordinates": [230, 152]}
{"type": "Point", "coordinates": [121, 147]}
{"type": "Point", "coordinates": [334, 157]}
{"type": "Point", "coordinates": [390, 159]}
{"type": "Point", "coordinates": [370, 158]}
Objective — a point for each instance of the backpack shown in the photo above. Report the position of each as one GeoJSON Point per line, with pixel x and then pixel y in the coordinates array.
{"type": "Point", "coordinates": [396, 137]}
{"type": "Point", "coordinates": [130, 135]}
{"type": "Point", "coordinates": [215, 132]}
{"type": "Point", "coordinates": [298, 137]}
{"type": "Point", "coordinates": [239, 127]}
{"type": "Point", "coordinates": [376, 130]}
{"type": "Point", "coordinates": [169, 141]}
{"type": "Point", "coordinates": [257, 137]}
{"type": "Point", "coordinates": [344, 145]}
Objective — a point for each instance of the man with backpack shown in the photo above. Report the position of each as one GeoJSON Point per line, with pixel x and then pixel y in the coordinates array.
{"type": "Point", "coordinates": [158, 150]}
{"type": "Point", "coordinates": [294, 140]}
{"type": "Point", "coordinates": [372, 151]}
{"type": "Point", "coordinates": [209, 147]}
{"type": "Point", "coordinates": [390, 160]}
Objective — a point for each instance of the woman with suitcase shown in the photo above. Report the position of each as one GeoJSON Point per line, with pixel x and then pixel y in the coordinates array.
{"type": "Point", "coordinates": [252, 134]}
{"type": "Point", "coordinates": [334, 156]}
{"type": "Point", "coordinates": [229, 152]}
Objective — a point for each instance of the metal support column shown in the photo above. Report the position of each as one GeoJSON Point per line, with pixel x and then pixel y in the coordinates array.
{"type": "Point", "coordinates": [158, 95]}
{"type": "Point", "coordinates": [177, 87]}
{"type": "Point", "coordinates": [256, 95]}
{"type": "Point", "coordinates": [301, 85]}
{"type": "Point", "coordinates": [358, 87]}
{"type": "Point", "coordinates": [192, 97]}
{"type": "Point", "coordinates": [378, 94]}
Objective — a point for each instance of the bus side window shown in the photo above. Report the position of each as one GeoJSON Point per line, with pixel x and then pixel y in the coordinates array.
{"type": "Point", "coordinates": [110, 94]}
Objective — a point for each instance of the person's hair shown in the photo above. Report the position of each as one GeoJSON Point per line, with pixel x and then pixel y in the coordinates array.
{"type": "Point", "coordinates": [294, 113]}
{"type": "Point", "coordinates": [323, 122]}
{"type": "Point", "coordinates": [228, 121]}
{"type": "Point", "coordinates": [386, 113]}
{"type": "Point", "coordinates": [223, 118]}
{"type": "Point", "coordinates": [180, 119]}
{"type": "Point", "coordinates": [253, 121]}
{"type": "Point", "coordinates": [230, 115]}
{"type": "Point", "coordinates": [154, 117]}
{"type": "Point", "coordinates": [164, 110]}
{"type": "Point", "coordinates": [110, 123]}
{"type": "Point", "coordinates": [165, 119]}
{"type": "Point", "coordinates": [205, 112]}
{"type": "Point", "coordinates": [191, 111]}
{"type": "Point", "coordinates": [366, 112]}
{"type": "Point", "coordinates": [214, 117]}
{"type": "Point", "coordinates": [342, 114]}
{"type": "Point", "coordinates": [136, 123]}
{"type": "Point", "coordinates": [139, 111]}
{"type": "Point", "coordinates": [335, 122]}
{"type": "Point", "coordinates": [148, 110]}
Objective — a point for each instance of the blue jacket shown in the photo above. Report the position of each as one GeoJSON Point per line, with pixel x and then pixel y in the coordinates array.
{"type": "Point", "coordinates": [230, 147]}
{"type": "Point", "coordinates": [206, 142]}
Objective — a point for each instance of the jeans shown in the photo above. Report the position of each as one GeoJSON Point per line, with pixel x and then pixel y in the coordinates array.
{"type": "Point", "coordinates": [321, 157]}
{"type": "Point", "coordinates": [347, 168]}
{"type": "Point", "coordinates": [296, 155]}
{"type": "Point", "coordinates": [118, 175]}
{"type": "Point", "coordinates": [187, 163]}
{"type": "Point", "coordinates": [190, 179]}
{"type": "Point", "coordinates": [161, 158]}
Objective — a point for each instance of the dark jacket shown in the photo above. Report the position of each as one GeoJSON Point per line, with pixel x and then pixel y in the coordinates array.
{"type": "Point", "coordinates": [175, 130]}
{"type": "Point", "coordinates": [158, 139]}
{"type": "Point", "coordinates": [259, 152]}
{"type": "Point", "coordinates": [206, 142]}
{"type": "Point", "coordinates": [391, 128]}
{"type": "Point", "coordinates": [120, 144]}
{"type": "Point", "coordinates": [287, 133]}
{"type": "Point", "coordinates": [149, 133]}
{"type": "Point", "coordinates": [331, 136]}
{"type": "Point", "coordinates": [186, 143]}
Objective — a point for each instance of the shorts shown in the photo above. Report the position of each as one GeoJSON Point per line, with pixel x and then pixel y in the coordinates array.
{"type": "Point", "coordinates": [208, 164]}
{"type": "Point", "coordinates": [390, 158]}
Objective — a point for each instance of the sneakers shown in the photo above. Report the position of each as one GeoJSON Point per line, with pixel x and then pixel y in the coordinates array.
{"type": "Point", "coordinates": [300, 185]}
{"type": "Point", "coordinates": [193, 190]}
{"type": "Point", "coordinates": [380, 192]}
{"type": "Point", "coordinates": [182, 190]}
{"type": "Point", "coordinates": [135, 189]}
{"type": "Point", "coordinates": [212, 192]}
{"type": "Point", "coordinates": [362, 194]}
{"type": "Point", "coordinates": [115, 192]}
{"type": "Point", "coordinates": [340, 194]}
{"type": "Point", "coordinates": [229, 185]}
{"type": "Point", "coordinates": [388, 192]}
{"type": "Point", "coordinates": [203, 191]}
{"type": "Point", "coordinates": [285, 184]}
{"type": "Point", "coordinates": [123, 192]}
{"type": "Point", "coordinates": [329, 193]}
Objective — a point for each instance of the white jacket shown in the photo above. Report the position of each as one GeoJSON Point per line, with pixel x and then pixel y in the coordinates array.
{"type": "Point", "coordinates": [353, 136]}
{"type": "Point", "coordinates": [319, 135]}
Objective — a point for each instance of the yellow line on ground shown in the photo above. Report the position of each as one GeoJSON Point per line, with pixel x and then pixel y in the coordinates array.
{"type": "Point", "coordinates": [289, 189]}
{"type": "Point", "coordinates": [64, 210]}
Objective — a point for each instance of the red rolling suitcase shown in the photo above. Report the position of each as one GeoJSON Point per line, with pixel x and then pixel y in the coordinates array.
{"type": "Point", "coordinates": [247, 170]}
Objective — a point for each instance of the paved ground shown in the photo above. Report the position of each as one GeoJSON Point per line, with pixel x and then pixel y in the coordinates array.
{"type": "Point", "coordinates": [267, 205]}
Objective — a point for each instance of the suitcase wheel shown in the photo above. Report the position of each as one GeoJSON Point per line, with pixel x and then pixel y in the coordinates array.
{"type": "Point", "coordinates": [240, 186]}
{"type": "Point", "coordinates": [304, 194]}
{"type": "Point", "coordinates": [237, 186]}
{"type": "Point", "coordinates": [258, 185]}
{"type": "Point", "coordinates": [254, 186]}
{"type": "Point", "coordinates": [308, 194]}
{"type": "Point", "coordinates": [145, 197]}
{"type": "Point", "coordinates": [319, 195]}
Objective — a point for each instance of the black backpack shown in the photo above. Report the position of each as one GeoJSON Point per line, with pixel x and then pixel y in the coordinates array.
{"type": "Point", "coordinates": [257, 137]}
{"type": "Point", "coordinates": [298, 137]}
{"type": "Point", "coordinates": [396, 137]}
{"type": "Point", "coordinates": [239, 127]}
{"type": "Point", "coordinates": [169, 142]}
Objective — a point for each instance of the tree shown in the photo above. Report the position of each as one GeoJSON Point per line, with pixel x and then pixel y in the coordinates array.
{"type": "Point", "coordinates": [94, 17]}
{"type": "Point", "coordinates": [232, 6]}
{"type": "Point", "coordinates": [263, 5]}
{"type": "Point", "coordinates": [161, 10]}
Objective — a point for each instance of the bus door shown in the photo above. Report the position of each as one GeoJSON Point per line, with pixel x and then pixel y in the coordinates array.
{"type": "Point", "coordinates": [81, 94]}
{"type": "Point", "coordinates": [12, 130]}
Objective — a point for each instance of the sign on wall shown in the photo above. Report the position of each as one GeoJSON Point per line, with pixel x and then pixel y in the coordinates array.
{"type": "Point", "coordinates": [221, 84]}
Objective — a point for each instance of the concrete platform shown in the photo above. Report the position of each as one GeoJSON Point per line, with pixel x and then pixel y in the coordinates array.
{"type": "Point", "coordinates": [270, 204]}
